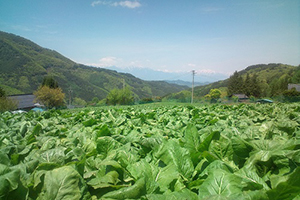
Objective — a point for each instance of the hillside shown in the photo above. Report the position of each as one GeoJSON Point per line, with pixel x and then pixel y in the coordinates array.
{"type": "Point", "coordinates": [23, 65]}
{"type": "Point", "coordinates": [272, 78]}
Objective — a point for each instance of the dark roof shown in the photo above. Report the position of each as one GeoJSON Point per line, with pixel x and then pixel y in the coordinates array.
{"type": "Point", "coordinates": [241, 96]}
{"type": "Point", "coordinates": [24, 100]}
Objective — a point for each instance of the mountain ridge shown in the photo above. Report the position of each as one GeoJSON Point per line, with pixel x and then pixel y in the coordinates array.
{"type": "Point", "coordinates": [23, 65]}
{"type": "Point", "coordinates": [273, 78]}
{"type": "Point", "coordinates": [201, 78]}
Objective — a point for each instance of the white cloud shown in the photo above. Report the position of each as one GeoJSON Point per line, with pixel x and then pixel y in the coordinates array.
{"type": "Point", "coordinates": [105, 62]}
{"type": "Point", "coordinates": [126, 4]}
{"type": "Point", "coordinates": [129, 4]}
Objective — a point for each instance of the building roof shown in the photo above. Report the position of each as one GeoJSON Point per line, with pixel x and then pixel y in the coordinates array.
{"type": "Point", "coordinates": [241, 96]}
{"type": "Point", "coordinates": [24, 101]}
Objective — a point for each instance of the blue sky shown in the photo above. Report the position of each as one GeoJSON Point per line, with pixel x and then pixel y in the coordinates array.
{"type": "Point", "coordinates": [169, 35]}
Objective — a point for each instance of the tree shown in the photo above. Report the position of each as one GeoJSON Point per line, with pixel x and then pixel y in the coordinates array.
{"type": "Point", "coordinates": [120, 96]}
{"type": "Point", "coordinates": [79, 102]}
{"type": "Point", "coordinates": [2, 92]}
{"type": "Point", "coordinates": [50, 82]}
{"type": "Point", "coordinates": [6, 103]}
{"type": "Point", "coordinates": [247, 85]}
{"type": "Point", "coordinates": [214, 95]}
{"type": "Point", "coordinates": [235, 84]}
{"type": "Point", "coordinates": [50, 97]}
{"type": "Point", "coordinates": [255, 89]}
{"type": "Point", "coordinates": [291, 95]}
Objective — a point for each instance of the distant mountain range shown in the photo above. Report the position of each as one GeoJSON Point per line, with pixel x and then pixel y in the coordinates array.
{"type": "Point", "coordinates": [24, 64]}
{"type": "Point", "coordinates": [180, 78]}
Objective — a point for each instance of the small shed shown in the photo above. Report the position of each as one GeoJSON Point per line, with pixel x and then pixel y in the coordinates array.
{"type": "Point", "coordinates": [241, 97]}
{"type": "Point", "coordinates": [296, 86]}
{"type": "Point", "coordinates": [24, 101]}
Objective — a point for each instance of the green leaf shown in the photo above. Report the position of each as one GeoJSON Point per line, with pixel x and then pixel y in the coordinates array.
{"type": "Point", "coordinates": [10, 184]}
{"type": "Point", "coordinates": [61, 183]}
{"type": "Point", "coordinates": [215, 135]}
{"type": "Point", "coordinates": [193, 142]}
{"type": "Point", "coordinates": [240, 147]}
{"type": "Point", "coordinates": [37, 129]}
{"type": "Point", "coordinates": [8, 180]}
{"type": "Point", "coordinates": [108, 180]}
{"type": "Point", "coordinates": [178, 195]}
{"type": "Point", "coordinates": [90, 122]}
{"type": "Point", "coordinates": [132, 192]}
{"type": "Point", "coordinates": [251, 180]}
{"type": "Point", "coordinates": [172, 153]}
{"type": "Point", "coordinates": [287, 189]}
{"type": "Point", "coordinates": [220, 182]}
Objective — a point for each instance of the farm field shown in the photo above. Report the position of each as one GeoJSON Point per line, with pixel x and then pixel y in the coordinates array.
{"type": "Point", "coordinates": [242, 151]}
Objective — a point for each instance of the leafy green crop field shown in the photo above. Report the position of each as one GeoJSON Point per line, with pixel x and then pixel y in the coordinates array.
{"type": "Point", "coordinates": [152, 152]}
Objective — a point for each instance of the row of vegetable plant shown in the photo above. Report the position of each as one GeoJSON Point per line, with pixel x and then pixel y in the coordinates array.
{"type": "Point", "coordinates": [152, 152]}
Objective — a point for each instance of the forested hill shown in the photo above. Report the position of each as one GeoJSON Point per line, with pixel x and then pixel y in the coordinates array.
{"type": "Point", "coordinates": [272, 79]}
{"type": "Point", "coordinates": [23, 65]}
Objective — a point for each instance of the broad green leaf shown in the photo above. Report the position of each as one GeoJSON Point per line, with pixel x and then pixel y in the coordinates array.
{"type": "Point", "coordinates": [288, 188]}
{"type": "Point", "coordinates": [132, 192]}
{"type": "Point", "coordinates": [251, 180]}
{"type": "Point", "coordinates": [8, 180]}
{"type": "Point", "coordinates": [11, 186]}
{"type": "Point", "coordinates": [220, 182]}
{"type": "Point", "coordinates": [37, 129]}
{"type": "Point", "coordinates": [240, 147]}
{"type": "Point", "coordinates": [108, 180]}
{"type": "Point", "coordinates": [61, 183]}
{"type": "Point", "coordinates": [172, 153]}
{"type": "Point", "coordinates": [178, 195]}
{"type": "Point", "coordinates": [148, 172]}
{"type": "Point", "coordinates": [192, 142]}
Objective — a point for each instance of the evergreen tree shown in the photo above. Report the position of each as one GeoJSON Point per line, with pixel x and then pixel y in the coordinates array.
{"type": "Point", "coordinates": [255, 89]}
{"type": "Point", "coordinates": [50, 82]}
{"type": "Point", "coordinates": [235, 84]}
{"type": "Point", "coordinates": [296, 76]}
{"type": "Point", "coordinates": [247, 86]}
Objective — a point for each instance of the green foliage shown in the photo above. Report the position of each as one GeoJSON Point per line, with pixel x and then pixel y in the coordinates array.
{"type": "Point", "coordinates": [235, 84]}
{"type": "Point", "coordinates": [182, 96]}
{"type": "Point", "coordinates": [79, 102]}
{"type": "Point", "coordinates": [7, 104]}
{"type": "Point", "coordinates": [50, 97]}
{"type": "Point", "coordinates": [291, 95]}
{"type": "Point", "coordinates": [2, 92]}
{"type": "Point", "coordinates": [50, 82]}
{"type": "Point", "coordinates": [120, 97]}
{"type": "Point", "coordinates": [152, 152]}
{"type": "Point", "coordinates": [267, 81]}
{"type": "Point", "coordinates": [215, 94]}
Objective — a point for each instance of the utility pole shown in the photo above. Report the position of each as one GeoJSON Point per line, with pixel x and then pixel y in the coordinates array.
{"type": "Point", "coordinates": [193, 74]}
{"type": "Point", "coordinates": [70, 95]}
